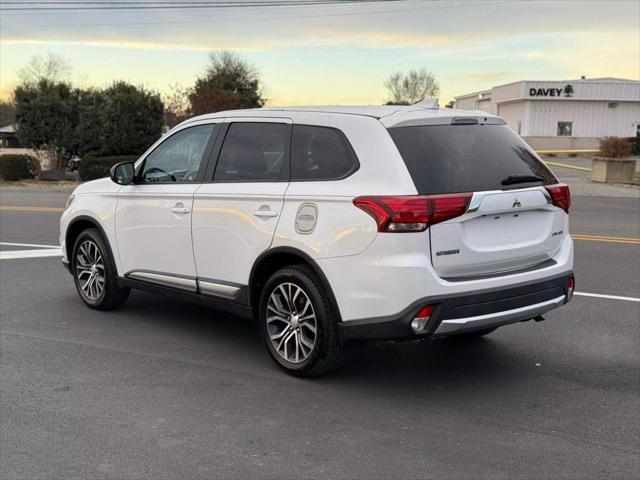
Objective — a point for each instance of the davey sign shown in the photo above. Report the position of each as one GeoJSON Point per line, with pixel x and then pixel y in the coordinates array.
{"type": "Point", "coordinates": [567, 92]}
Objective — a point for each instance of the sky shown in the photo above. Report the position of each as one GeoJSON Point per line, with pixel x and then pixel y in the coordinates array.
{"type": "Point", "coordinates": [334, 54]}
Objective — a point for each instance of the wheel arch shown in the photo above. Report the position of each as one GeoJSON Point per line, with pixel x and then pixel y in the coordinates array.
{"type": "Point", "coordinates": [76, 227]}
{"type": "Point", "coordinates": [276, 258]}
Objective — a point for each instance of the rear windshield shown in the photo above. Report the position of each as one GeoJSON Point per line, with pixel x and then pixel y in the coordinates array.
{"type": "Point", "coordinates": [466, 158]}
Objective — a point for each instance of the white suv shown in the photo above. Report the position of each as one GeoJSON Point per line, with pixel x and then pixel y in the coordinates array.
{"type": "Point", "coordinates": [331, 224]}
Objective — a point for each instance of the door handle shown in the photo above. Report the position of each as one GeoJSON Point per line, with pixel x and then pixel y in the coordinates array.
{"type": "Point", "coordinates": [265, 213]}
{"type": "Point", "coordinates": [180, 208]}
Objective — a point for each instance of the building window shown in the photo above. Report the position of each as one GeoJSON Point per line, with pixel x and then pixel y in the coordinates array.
{"type": "Point", "coordinates": [565, 129]}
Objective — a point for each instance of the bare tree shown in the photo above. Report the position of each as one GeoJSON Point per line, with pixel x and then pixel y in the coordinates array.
{"type": "Point", "coordinates": [51, 67]}
{"type": "Point", "coordinates": [176, 105]}
{"type": "Point", "coordinates": [411, 87]}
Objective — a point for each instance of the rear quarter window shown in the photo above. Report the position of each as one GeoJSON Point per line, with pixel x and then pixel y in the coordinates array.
{"type": "Point", "coordinates": [321, 153]}
{"type": "Point", "coordinates": [466, 158]}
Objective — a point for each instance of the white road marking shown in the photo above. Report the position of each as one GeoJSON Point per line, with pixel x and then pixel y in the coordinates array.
{"type": "Point", "coordinates": [608, 297]}
{"type": "Point", "coordinates": [56, 251]}
{"type": "Point", "coordinates": [46, 252]}
{"type": "Point", "coordinates": [34, 245]}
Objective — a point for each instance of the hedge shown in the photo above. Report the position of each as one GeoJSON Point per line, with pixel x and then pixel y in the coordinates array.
{"type": "Point", "coordinates": [17, 167]}
{"type": "Point", "coordinates": [98, 167]}
{"type": "Point", "coordinates": [615, 147]}
{"type": "Point", "coordinates": [635, 145]}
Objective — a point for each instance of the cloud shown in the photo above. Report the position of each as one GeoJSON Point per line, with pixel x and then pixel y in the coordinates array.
{"type": "Point", "coordinates": [303, 60]}
{"type": "Point", "coordinates": [126, 43]}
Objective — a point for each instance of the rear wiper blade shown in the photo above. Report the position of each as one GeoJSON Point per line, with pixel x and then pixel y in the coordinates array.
{"type": "Point", "coordinates": [513, 179]}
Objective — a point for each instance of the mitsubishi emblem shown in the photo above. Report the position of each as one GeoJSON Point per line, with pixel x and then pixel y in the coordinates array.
{"type": "Point", "coordinates": [516, 203]}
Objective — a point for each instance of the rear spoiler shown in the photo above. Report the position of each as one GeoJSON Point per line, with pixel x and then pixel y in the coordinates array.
{"type": "Point", "coordinates": [449, 120]}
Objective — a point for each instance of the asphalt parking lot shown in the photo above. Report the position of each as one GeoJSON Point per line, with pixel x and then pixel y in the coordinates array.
{"type": "Point", "coordinates": [167, 389]}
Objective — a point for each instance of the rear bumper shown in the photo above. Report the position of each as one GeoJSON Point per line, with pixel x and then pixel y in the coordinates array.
{"type": "Point", "coordinates": [496, 319]}
{"type": "Point", "coordinates": [464, 313]}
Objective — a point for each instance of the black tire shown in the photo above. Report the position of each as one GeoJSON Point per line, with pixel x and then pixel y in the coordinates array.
{"type": "Point", "coordinates": [112, 295]}
{"type": "Point", "coordinates": [473, 335]}
{"type": "Point", "coordinates": [326, 354]}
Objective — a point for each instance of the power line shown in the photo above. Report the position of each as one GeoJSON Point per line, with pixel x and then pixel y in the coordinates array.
{"type": "Point", "coordinates": [262, 19]}
{"type": "Point", "coordinates": [176, 6]}
{"type": "Point", "coordinates": [153, 2]}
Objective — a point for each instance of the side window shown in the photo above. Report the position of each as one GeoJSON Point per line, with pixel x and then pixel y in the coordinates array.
{"type": "Point", "coordinates": [252, 152]}
{"type": "Point", "coordinates": [321, 153]}
{"type": "Point", "coordinates": [178, 158]}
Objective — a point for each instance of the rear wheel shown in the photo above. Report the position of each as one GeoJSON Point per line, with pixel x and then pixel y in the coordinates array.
{"type": "Point", "coordinates": [94, 272]}
{"type": "Point", "coordinates": [298, 324]}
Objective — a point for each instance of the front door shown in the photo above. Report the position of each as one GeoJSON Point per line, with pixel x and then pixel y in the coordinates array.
{"type": "Point", "coordinates": [235, 213]}
{"type": "Point", "coordinates": [153, 217]}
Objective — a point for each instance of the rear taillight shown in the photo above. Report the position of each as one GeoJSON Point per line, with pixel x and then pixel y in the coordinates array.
{"type": "Point", "coordinates": [560, 196]}
{"type": "Point", "coordinates": [412, 213]}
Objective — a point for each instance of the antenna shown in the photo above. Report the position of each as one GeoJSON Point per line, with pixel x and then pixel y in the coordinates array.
{"type": "Point", "coordinates": [429, 102]}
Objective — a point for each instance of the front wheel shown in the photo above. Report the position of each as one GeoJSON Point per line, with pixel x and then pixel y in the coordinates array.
{"type": "Point", "coordinates": [94, 272]}
{"type": "Point", "coordinates": [298, 324]}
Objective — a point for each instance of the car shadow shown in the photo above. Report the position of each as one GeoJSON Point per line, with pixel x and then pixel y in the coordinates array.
{"type": "Point", "coordinates": [190, 319]}
{"type": "Point", "coordinates": [439, 361]}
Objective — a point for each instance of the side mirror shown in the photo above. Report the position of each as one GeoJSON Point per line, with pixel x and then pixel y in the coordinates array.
{"type": "Point", "coordinates": [123, 173]}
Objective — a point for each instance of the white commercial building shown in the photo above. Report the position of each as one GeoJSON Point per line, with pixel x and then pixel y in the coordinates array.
{"type": "Point", "coordinates": [563, 115]}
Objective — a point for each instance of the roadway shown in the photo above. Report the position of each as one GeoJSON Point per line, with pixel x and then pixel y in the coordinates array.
{"type": "Point", "coordinates": [167, 389]}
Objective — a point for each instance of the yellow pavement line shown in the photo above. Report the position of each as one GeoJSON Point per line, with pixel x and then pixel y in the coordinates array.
{"type": "Point", "coordinates": [604, 236]}
{"type": "Point", "coordinates": [12, 208]}
{"type": "Point", "coordinates": [564, 152]}
{"type": "Point", "coordinates": [594, 238]}
{"type": "Point", "coordinates": [564, 165]}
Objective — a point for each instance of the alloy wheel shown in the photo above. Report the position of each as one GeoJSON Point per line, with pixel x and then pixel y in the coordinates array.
{"type": "Point", "coordinates": [291, 323]}
{"type": "Point", "coordinates": [90, 270]}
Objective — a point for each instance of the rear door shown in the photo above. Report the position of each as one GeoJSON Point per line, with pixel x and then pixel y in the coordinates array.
{"type": "Point", "coordinates": [236, 210]}
{"type": "Point", "coordinates": [511, 223]}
